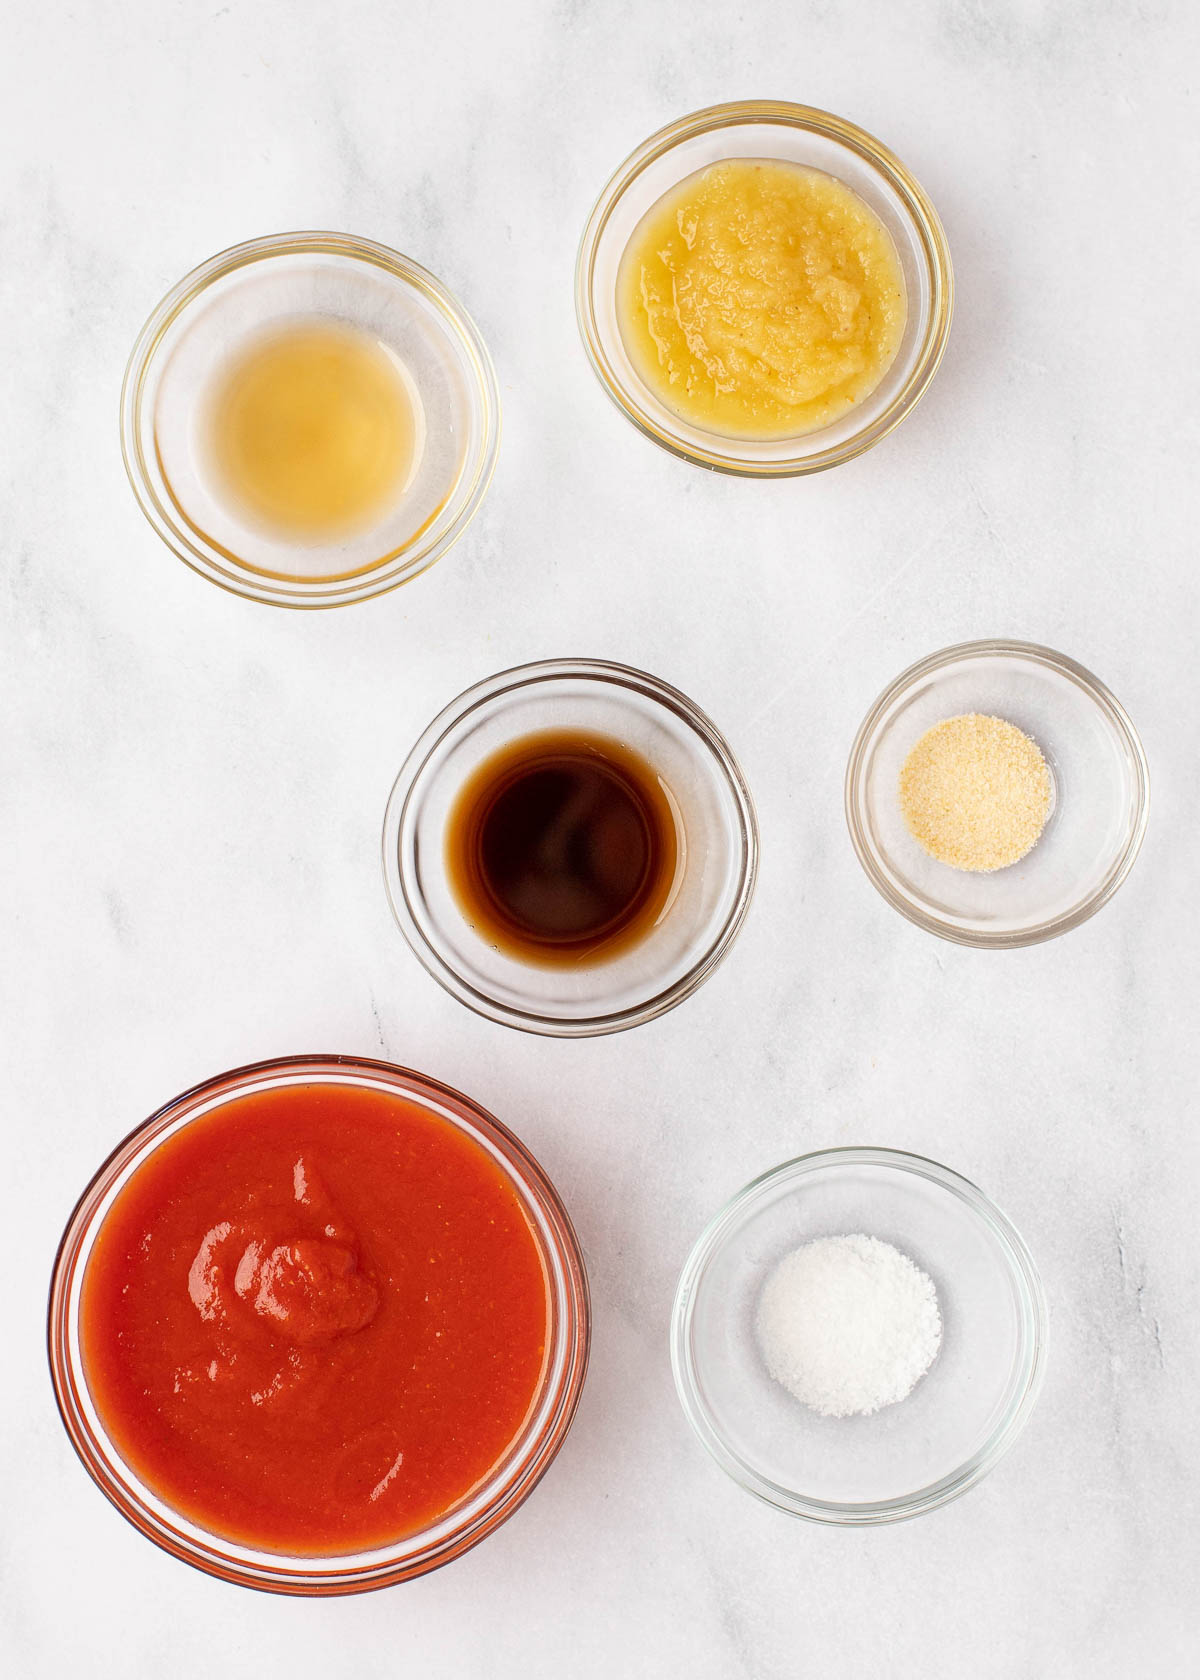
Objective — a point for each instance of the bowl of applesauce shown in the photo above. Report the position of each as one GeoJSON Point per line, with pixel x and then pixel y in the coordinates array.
{"type": "Point", "coordinates": [309, 419]}
{"type": "Point", "coordinates": [764, 289]}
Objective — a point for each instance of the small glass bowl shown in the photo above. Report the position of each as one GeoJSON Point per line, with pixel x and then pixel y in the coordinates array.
{"type": "Point", "coordinates": [797, 134]}
{"type": "Point", "coordinates": [308, 275]}
{"type": "Point", "coordinates": [1100, 794]}
{"type": "Point", "coordinates": [720, 831]}
{"type": "Point", "coordinates": [489, 1504]}
{"type": "Point", "coordinates": [961, 1417]}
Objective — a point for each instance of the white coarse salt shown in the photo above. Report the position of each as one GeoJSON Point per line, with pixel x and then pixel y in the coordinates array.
{"type": "Point", "coordinates": [848, 1324]}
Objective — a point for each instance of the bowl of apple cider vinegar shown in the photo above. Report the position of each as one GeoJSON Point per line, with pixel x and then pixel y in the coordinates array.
{"type": "Point", "coordinates": [309, 419]}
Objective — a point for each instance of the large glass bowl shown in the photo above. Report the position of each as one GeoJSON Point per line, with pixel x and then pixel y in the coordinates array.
{"type": "Point", "coordinates": [961, 1417]}
{"type": "Point", "coordinates": [487, 1506]}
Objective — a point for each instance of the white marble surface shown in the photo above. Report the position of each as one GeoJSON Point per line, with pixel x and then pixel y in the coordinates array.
{"type": "Point", "coordinates": [192, 788]}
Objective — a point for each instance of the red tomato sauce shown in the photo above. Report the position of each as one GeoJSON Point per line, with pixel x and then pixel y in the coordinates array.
{"type": "Point", "coordinates": [314, 1319]}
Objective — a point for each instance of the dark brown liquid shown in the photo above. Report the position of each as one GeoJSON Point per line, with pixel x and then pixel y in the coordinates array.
{"type": "Point", "coordinates": [563, 847]}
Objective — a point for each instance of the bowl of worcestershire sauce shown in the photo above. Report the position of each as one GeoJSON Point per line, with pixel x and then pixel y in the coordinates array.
{"type": "Point", "coordinates": [570, 847]}
{"type": "Point", "coordinates": [319, 1325]}
{"type": "Point", "coordinates": [565, 847]}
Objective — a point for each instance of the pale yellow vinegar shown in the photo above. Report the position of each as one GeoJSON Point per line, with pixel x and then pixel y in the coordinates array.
{"type": "Point", "coordinates": [760, 299]}
{"type": "Point", "coordinates": [313, 431]}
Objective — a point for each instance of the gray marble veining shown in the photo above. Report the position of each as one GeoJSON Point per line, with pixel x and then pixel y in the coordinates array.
{"type": "Point", "coordinates": [191, 790]}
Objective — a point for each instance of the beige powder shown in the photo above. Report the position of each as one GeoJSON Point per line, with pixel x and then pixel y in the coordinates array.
{"type": "Point", "coordinates": [975, 792]}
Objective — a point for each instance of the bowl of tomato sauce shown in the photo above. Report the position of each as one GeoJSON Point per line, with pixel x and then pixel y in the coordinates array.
{"type": "Point", "coordinates": [318, 1325]}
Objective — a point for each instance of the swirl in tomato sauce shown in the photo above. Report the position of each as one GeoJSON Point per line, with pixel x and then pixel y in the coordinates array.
{"type": "Point", "coordinates": [314, 1319]}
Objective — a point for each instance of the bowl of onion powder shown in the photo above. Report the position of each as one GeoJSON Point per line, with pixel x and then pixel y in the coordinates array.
{"type": "Point", "coordinates": [859, 1336]}
{"type": "Point", "coordinates": [997, 794]}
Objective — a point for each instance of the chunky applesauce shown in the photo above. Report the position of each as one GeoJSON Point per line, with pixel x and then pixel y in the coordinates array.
{"type": "Point", "coordinates": [760, 299]}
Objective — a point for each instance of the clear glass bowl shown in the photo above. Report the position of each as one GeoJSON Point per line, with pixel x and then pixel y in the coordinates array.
{"type": "Point", "coordinates": [489, 1504]}
{"type": "Point", "coordinates": [961, 1417]}
{"type": "Point", "coordinates": [305, 275]}
{"type": "Point", "coordinates": [1101, 794]}
{"type": "Point", "coordinates": [721, 837]}
{"type": "Point", "coordinates": [793, 134]}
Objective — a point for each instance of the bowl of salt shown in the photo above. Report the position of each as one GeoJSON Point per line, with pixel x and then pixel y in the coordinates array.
{"type": "Point", "coordinates": [858, 1336]}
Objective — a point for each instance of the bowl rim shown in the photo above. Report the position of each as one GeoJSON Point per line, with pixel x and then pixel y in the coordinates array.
{"type": "Point", "coordinates": [952, 1486]}
{"type": "Point", "coordinates": [922, 215]}
{"type": "Point", "coordinates": [225, 570]}
{"type": "Point", "coordinates": [336, 1574]}
{"type": "Point", "coordinates": [1102, 697]}
{"type": "Point", "coordinates": [486, 693]}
